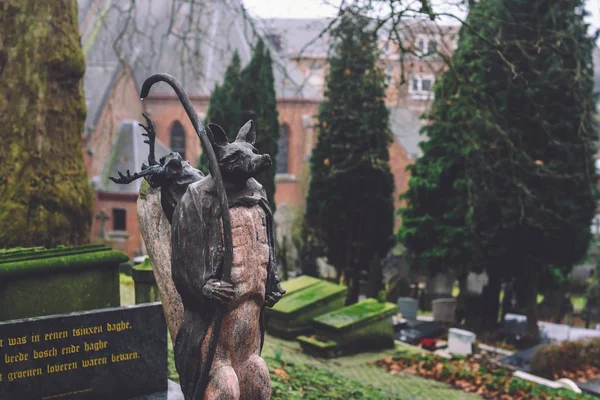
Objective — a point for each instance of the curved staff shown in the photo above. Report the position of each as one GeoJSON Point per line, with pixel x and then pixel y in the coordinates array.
{"type": "Point", "coordinates": [228, 242]}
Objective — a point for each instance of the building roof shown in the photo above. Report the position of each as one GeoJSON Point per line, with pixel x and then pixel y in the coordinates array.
{"type": "Point", "coordinates": [305, 37]}
{"type": "Point", "coordinates": [127, 153]}
{"type": "Point", "coordinates": [405, 127]}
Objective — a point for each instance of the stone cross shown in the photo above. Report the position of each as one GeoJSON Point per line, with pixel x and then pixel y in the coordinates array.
{"type": "Point", "coordinates": [102, 217]}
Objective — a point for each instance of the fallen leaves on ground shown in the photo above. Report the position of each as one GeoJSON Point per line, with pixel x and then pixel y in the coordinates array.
{"type": "Point", "coordinates": [477, 375]}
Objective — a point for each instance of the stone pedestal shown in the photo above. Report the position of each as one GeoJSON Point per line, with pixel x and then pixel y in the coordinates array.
{"type": "Point", "coordinates": [146, 290]}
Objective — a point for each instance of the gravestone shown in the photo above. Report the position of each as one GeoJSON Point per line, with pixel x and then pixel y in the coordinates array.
{"type": "Point", "coordinates": [365, 325]}
{"type": "Point", "coordinates": [38, 281]}
{"type": "Point", "coordinates": [114, 353]}
{"type": "Point", "coordinates": [292, 315]}
{"type": "Point", "coordinates": [460, 341]}
{"type": "Point", "coordinates": [443, 309]}
{"type": "Point", "coordinates": [408, 307]}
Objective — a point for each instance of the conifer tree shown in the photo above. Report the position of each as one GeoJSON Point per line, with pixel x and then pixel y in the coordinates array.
{"type": "Point", "coordinates": [350, 201]}
{"type": "Point", "coordinates": [244, 95]}
{"type": "Point", "coordinates": [225, 106]}
{"type": "Point", "coordinates": [259, 104]}
{"type": "Point", "coordinates": [532, 174]}
{"type": "Point", "coordinates": [436, 229]}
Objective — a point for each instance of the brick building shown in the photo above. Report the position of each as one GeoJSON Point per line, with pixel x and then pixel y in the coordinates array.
{"type": "Point", "coordinates": [119, 58]}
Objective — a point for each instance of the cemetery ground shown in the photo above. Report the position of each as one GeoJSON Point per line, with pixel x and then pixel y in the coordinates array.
{"type": "Point", "coordinates": [405, 372]}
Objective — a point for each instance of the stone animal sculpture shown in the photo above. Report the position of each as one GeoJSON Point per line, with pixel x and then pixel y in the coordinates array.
{"type": "Point", "coordinates": [172, 174]}
{"type": "Point", "coordinates": [223, 265]}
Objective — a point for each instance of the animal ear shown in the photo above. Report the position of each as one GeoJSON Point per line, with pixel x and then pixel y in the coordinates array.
{"type": "Point", "coordinates": [217, 135]}
{"type": "Point", "coordinates": [247, 133]}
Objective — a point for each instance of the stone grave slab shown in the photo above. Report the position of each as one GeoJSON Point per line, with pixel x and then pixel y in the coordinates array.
{"type": "Point", "coordinates": [415, 331]}
{"type": "Point", "coordinates": [299, 283]}
{"type": "Point", "coordinates": [39, 281]}
{"type": "Point", "coordinates": [366, 325]}
{"type": "Point", "coordinates": [292, 315]}
{"type": "Point", "coordinates": [114, 353]}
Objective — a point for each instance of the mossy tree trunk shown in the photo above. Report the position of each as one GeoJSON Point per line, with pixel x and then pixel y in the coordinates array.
{"type": "Point", "coordinates": [45, 196]}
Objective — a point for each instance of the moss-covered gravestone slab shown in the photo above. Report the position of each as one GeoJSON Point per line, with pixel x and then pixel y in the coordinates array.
{"type": "Point", "coordinates": [292, 315]}
{"type": "Point", "coordinates": [299, 283]}
{"type": "Point", "coordinates": [366, 325]}
{"type": "Point", "coordinates": [37, 281]}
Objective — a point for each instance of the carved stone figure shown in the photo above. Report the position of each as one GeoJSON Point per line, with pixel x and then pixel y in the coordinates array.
{"type": "Point", "coordinates": [223, 260]}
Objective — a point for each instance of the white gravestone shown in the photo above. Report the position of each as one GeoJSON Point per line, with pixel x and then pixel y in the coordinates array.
{"type": "Point", "coordinates": [460, 341]}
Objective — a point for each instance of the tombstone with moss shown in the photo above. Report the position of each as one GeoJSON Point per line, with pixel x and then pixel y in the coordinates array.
{"type": "Point", "coordinates": [38, 281]}
{"type": "Point", "coordinates": [366, 325]}
{"type": "Point", "coordinates": [306, 297]}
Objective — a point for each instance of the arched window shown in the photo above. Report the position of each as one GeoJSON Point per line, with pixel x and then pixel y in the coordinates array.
{"type": "Point", "coordinates": [283, 150]}
{"type": "Point", "coordinates": [177, 142]}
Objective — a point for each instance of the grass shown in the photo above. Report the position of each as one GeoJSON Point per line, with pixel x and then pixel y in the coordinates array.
{"type": "Point", "coordinates": [302, 381]}
{"type": "Point", "coordinates": [295, 375]}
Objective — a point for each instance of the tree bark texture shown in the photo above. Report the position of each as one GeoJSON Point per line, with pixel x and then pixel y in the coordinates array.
{"type": "Point", "coordinates": [45, 196]}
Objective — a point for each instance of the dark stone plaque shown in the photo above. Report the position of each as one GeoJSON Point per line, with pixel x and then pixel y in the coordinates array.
{"type": "Point", "coordinates": [113, 353]}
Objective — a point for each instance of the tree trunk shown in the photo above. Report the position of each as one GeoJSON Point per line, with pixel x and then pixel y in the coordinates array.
{"type": "Point", "coordinates": [45, 196]}
{"type": "Point", "coordinates": [375, 278]}
{"type": "Point", "coordinates": [482, 311]}
{"type": "Point", "coordinates": [354, 286]}
{"type": "Point", "coordinates": [491, 302]}
{"type": "Point", "coordinates": [533, 331]}
{"type": "Point", "coordinates": [462, 299]}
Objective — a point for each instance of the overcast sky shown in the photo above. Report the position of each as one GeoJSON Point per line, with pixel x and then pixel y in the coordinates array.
{"type": "Point", "coordinates": [323, 8]}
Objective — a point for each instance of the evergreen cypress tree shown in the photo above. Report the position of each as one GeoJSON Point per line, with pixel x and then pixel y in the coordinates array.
{"type": "Point", "coordinates": [532, 174]}
{"type": "Point", "coordinates": [225, 106]}
{"type": "Point", "coordinates": [436, 228]}
{"type": "Point", "coordinates": [259, 103]}
{"type": "Point", "coordinates": [350, 200]}
{"type": "Point", "coordinates": [244, 95]}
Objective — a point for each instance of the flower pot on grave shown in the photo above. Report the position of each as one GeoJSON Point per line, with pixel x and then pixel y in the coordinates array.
{"type": "Point", "coordinates": [305, 300]}
{"type": "Point", "coordinates": [443, 309]}
{"type": "Point", "coordinates": [366, 325]}
{"type": "Point", "coordinates": [38, 281]}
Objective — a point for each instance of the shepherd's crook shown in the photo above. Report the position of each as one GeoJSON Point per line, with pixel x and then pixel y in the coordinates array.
{"type": "Point", "coordinates": [227, 241]}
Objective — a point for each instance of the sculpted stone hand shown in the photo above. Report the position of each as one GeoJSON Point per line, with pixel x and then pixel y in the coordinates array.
{"type": "Point", "coordinates": [219, 291]}
{"type": "Point", "coordinates": [273, 298]}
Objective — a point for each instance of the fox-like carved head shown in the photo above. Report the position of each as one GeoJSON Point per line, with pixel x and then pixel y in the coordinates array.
{"type": "Point", "coordinates": [239, 160]}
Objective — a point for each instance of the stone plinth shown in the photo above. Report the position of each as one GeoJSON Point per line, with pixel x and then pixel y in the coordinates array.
{"type": "Point", "coordinates": [146, 290]}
